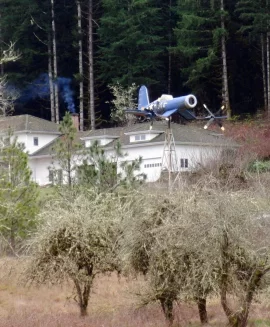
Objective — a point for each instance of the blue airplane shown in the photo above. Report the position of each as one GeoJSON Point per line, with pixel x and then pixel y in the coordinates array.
{"type": "Point", "coordinates": [165, 106]}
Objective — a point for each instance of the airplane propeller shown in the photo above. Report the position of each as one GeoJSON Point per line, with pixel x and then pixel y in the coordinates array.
{"type": "Point", "coordinates": [214, 118]}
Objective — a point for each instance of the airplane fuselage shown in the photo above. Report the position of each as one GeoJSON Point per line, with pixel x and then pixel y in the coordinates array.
{"type": "Point", "coordinates": [166, 103]}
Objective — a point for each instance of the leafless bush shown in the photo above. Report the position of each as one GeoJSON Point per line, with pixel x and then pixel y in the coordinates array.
{"type": "Point", "coordinates": [228, 169]}
{"type": "Point", "coordinates": [77, 240]}
{"type": "Point", "coordinates": [196, 243]}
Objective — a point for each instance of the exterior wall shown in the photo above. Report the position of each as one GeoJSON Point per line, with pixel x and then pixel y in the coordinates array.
{"type": "Point", "coordinates": [152, 156]}
{"type": "Point", "coordinates": [101, 141]}
{"type": "Point", "coordinates": [43, 139]}
{"type": "Point", "coordinates": [40, 169]}
{"type": "Point", "coordinates": [22, 138]}
{"type": "Point", "coordinates": [196, 155]}
{"type": "Point", "coordinates": [28, 140]}
{"type": "Point", "coordinates": [151, 160]}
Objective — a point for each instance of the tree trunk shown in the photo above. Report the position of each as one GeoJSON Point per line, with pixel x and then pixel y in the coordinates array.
{"type": "Point", "coordinates": [268, 74]}
{"type": "Point", "coordinates": [263, 72]}
{"type": "Point", "coordinates": [50, 73]}
{"type": "Point", "coordinates": [1, 48]}
{"type": "Point", "coordinates": [169, 51]}
{"type": "Point", "coordinates": [12, 239]}
{"type": "Point", "coordinates": [83, 295]}
{"type": "Point", "coordinates": [167, 307]}
{"type": "Point", "coordinates": [69, 173]}
{"type": "Point", "coordinates": [80, 62]}
{"type": "Point", "coordinates": [225, 87]}
{"type": "Point", "coordinates": [237, 318]}
{"type": "Point", "coordinates": [202, 310]}
{"type": "Point", "coordinates": [91, 111]}
{"type": "Point", "coordinates": [55, 73]}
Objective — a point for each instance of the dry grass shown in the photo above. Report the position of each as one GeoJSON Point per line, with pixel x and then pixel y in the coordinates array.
{"type": "Point", "coordinates": [113, 304]}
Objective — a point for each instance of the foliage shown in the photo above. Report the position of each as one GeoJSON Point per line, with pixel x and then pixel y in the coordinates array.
{"type": "Point", "coordinates": [131, 42]}
{"type": "Point", "coordinates": [106, 172]}
{"type": "Point", "coordinates": [7, 94]}
{"type": "Point", "coordinates": [195, 36]}
{"type": "Point", "coordinates": [8, 97]}
{"type": "Point", "coordinates": [259, 166]}
{"type": "Point", "coordinates": [252, 136]}
{"type": "Point", "coordinates": [65, 152]}
{"type": "Point", "coordinates": [18, 194]}
{"type": "Point", "coordinates": [77, 240]}
{"type": "Point", "coordinates": [124, 98]}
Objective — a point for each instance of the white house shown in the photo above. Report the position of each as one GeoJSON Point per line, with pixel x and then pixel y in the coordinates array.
{"type": "Point", "coordinates": [193, 145]}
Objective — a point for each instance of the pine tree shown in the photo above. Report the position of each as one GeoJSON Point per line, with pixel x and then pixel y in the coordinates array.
{"type": "Point", "coordinates": [201, 42]}
{"type": "Point", "coordinates": [130, 42]}
{"type": "Point", "coordinates": [91, 110]}
{"type": "Point", "coordinates": [195, 46]}
{"type": "Point", "coordinates": [80, 55]}
{"type": "Point", "coordinates": [106, 172]}
{"type": "Point", "coordinates": [255, 16]}
{"type": "Point", "coordinates": [65, 152]}
{"type": "Point", "coordinates": [18, 193]}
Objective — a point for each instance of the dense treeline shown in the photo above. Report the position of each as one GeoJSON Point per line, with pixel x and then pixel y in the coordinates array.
{"type": "Point", "coordinates": [72, 50]}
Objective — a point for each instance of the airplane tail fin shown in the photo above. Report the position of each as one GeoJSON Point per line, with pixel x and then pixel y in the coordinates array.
{"type": "Point", "coordinates": [143, 97]}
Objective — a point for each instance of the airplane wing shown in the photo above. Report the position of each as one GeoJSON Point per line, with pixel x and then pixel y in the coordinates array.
{"type": "Point", "coordinates": [187, 114]}
{"type": "Point", "coordinates": [209, 117]}
{"type": "Point", "coordinates": [137, 112]}
{"type": "Point", "coordinates": [168, 113]}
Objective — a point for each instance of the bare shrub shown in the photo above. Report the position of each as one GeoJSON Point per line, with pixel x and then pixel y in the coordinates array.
{"type": "Point", "coordinates": [198, 243]}
{"type": "Point", "coordinates": [228, 169]}
{"type": "Point", "coordinates": [156, 245]}
{"type": "Point", "coordinates": [77, 240]}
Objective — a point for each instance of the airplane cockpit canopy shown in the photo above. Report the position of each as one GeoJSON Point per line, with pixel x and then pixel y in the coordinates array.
{"type": "Point", "coordinates": [166, 97]}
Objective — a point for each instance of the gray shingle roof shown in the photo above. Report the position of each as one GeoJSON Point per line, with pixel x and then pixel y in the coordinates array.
{"type": "Point", "coordinates": [183, 134]}
{"type": "Point", "coordinates": [27, 123]}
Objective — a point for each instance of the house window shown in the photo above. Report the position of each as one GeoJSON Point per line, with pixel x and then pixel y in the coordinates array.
{"type": "Point", "coordinates": [56, 176]}
{"type": "Point", "coordinates": [36, 141]}
{"type": "Point", "coordinates": [140, 137]}
{"type": "Point", "coordinates": [184, 163]}
{"type": "Point", "coordinates": [51, 174]}
{"type": "Point", "coordinates": [152, 165]}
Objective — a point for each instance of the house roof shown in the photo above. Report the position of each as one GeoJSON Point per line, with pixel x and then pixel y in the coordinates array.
{"type": "Point", "coordinates": [183, 134]}
{"type": "Point", "coordinates": [28, 123]}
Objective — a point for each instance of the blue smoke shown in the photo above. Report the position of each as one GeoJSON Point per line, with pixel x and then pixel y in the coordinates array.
{"type": "Point", "coordinates": [66, 92]}
{"type": "Point", "coordinates": [39, 88]}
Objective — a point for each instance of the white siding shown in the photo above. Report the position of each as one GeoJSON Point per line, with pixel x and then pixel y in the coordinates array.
{"type": "Point", "coordinates": [28, 140]}
{"type": "Point", "coordinates": [40, 169]}
{"type": "Point", "coordinates": [151, 155]}
{"type": "Point", "coordinates": [43, 139]}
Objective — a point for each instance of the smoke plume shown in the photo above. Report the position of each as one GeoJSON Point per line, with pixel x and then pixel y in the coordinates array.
{"type": "Point", "coordinates": [39, 88]}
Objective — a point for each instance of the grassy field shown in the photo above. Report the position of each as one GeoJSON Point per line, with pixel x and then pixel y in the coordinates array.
{"type": "Point", "coordinates": [113, 304]}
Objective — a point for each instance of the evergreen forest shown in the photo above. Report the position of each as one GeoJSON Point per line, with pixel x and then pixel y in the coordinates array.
{"type": "Point", "coordinates": [71, 52]}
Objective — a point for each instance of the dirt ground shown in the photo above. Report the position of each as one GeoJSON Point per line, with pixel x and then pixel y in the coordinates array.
{"type": "Point", "coordinates": [113, 303]}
